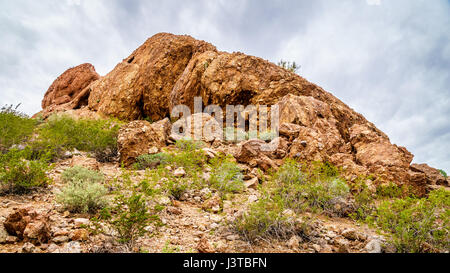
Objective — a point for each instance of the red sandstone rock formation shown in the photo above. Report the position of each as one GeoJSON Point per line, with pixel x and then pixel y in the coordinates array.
{"type": "Point", "coordinates": [168, 70]}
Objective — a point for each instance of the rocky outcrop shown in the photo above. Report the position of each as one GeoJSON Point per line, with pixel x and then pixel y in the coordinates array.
{"type": "Point", "coordinates": [69, 91]}
{"type": "Point", "coordinates": [433, 176]}
{"type": "Point", "coordinates": [168, 70]}
{"type": "Point", "coordinates": [140, 86]}
{"type": "Point", "coordinates": [141, 137]}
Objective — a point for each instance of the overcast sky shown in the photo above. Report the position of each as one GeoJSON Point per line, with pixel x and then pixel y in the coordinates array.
{"type": "Point", "coordinates": [387, 59]}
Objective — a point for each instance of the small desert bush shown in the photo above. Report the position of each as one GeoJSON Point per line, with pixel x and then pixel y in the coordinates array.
{"type": "Point", "coordinates": [19, 174]}
{"type": "Point", "coordinates": [416, 225]}
{"type": "Point", "coordinates": [62, 133]}
{"type": "Point", "coordinates": [291, 66]}
{"type": "Point", "coordinates": [390, 190]}
{"type": "Point", "coordinates": [317, 189]}
{"type": "Point", "coordinates": [152, 161]}
{"type": "Point", "coordinates": [15, 127]}
{"type": "Point", "coordinates": [83, 192]}
{"type": "Point", "coordinates": [443, 173]}
{"type": "Point", "coordinates": [189, 157]}
{"type": "Point", "coordinates": [128, 217]}
{"type": "Point", "coordinates": [264, 220]}
{"type": "Point", "coordinates": [226, 176]}
{"type": "Point", "coordinates": [364, 200]}
{"type": "Point", "coordinates": [79, 173]}
{"type": "Point", "coordinates": [189, 145]}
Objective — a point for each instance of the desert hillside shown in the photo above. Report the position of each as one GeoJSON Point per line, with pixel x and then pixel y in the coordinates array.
{"type": "Point", "coordinates": [101, 169]}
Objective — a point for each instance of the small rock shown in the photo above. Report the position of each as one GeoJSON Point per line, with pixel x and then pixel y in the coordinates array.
{"type": "Point", "coordinates": [79, 235]}
{"type": "Point", "coordinates": [232, 237]}
{"type": "Point", "coordinates": [294, 242]}
{"type": "Point", "coordinates": [3, 234]}
{"type": "Point", "coordinates": [326, 249]}
{"type": "Point", "coordinates": [342, 245]}
{"type": "Point", "coordinates": [204, 246]}
{"type": "Point", "coordinates": [28, 248]}
{"type": "Point", "coordinates": [37, 231]}
{"type": "Point", "coordinates": [289, 213]}
{"type": "Point", "coordinates": [174, 211]}
{"type": "Point", "coordinates": [11, 239]}
{"type": "Point", "coordinates": [350, 234]}
{"type": "Point", "coordinates": [374, 246]}
{"type": "Point", "coordinates": [180, 172]}
{"type": "Point", "coordinates": [252, 184]}
{"type": "Point", "coordinates": [71, 247]}
{"type": "Point", "coordinates": [153, 150]}
{"type": "Point", "coordinates": [164, 200]}
{"type": "Point", "coordinates": [316, 248]}
{"type": "Point", "coordinates": [80, 222]}
{"type": "Point", "coordinates": [252, 198]}
{"type": "Point", "coordinates": [205, 193]}
{"type": "Point", "coordinates": [53, 248]}
{"type": "Point", "coordinates": [60, 239]}
{"type": "Point", "coordinates": [216, 218]}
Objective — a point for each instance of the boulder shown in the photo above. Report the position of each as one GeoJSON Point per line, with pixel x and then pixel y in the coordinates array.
{"type": "Point", "coordinates": [141, 137]}
{"type": "Point", "coordinates": [29, 225]}
{"type": "Point", "coordinates": [202, 127]}
{"type": "Point", "coordinates": [69, 91]}
{"type": "Point", "coordinates": [432, 176]}
{"type": "Point", "coordinates": [257, 153]}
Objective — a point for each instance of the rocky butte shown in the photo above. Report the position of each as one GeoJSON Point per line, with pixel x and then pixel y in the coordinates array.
{"type": "Point", "coordinates": [168, 70]}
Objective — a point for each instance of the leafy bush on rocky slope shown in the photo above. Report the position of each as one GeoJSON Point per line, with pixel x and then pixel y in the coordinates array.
{"type": "Point", "coordinates": [319, 187]}
{"type": "Point", "coordinates": [416, 225]}
{"type": "Point", "coordinates": [83, 191]}
{"type": "Point", "coordinates": [293, 189]}
{"type": "Point", "coordinates": [61, 133]}
{"type": "Point", "coordinates": [15, 127]}
{"type": "Point", "coordinates": [19, 173]}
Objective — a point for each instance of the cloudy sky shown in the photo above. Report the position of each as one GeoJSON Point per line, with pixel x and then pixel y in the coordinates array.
{"type": "Point", "coordinates": [387, 59]}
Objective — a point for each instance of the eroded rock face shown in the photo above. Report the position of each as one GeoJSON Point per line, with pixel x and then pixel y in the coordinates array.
{"type": "Point", "coordinates": [69, 90]}
{"type": "Point", "coordinates": [140, 137]}
{"type": "Point", "coordinates": [140, 86]}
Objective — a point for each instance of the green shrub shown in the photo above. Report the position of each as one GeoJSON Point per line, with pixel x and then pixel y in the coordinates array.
{"type": "Point", "coordinates": [190, 157]}
{"type": "Point", "coordinates": [189, 145]}
{"type": "Point", "coordinates": [19, 174]}
{"type": "Point", "coordinates": [413, 223]}
{"type": "Point", "coordinates": [226, 175]}
{"type": "Point", "coordinates": [78, 173]}
{"type": "Point", "coordinates": [264, 219]}
{"type": "Point", "coordinates": [15, 127]}
{"type": "Point", "coordinates": [83, 191]}
{"type": "Point", "coordinates": [317, 189]}
{"type": "Point", "coordinates": [128, 217]}
{"type": "Point", "coordinates": [390, 190]}
{"type": "Point", "coordinates": [364, 200]}
{"type": "Point", "coordinates": [152, 161]}
{"type": "Point", "coordinates": [443, 173]}
{"type": "Point", "coordinates": [293, 67]}
{"type": "Point", "coordinates": [61, 133]}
